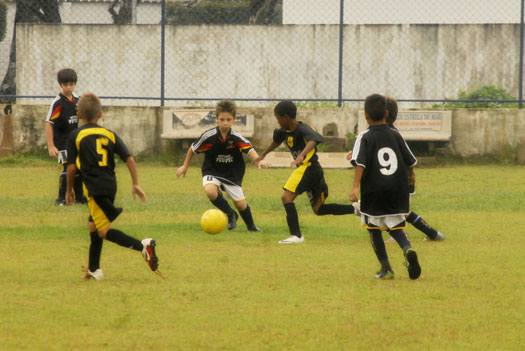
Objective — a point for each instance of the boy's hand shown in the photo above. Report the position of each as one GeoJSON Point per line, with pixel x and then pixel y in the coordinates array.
{"type": "Point", "coordinates": [137, 190]}
{"type": "Point", "coordinates": [53, 151]}
{"type": "Point", "coordinates": [258, 159]}
{"type": "Point", "coordinates": [70, 198]}
{"type": "Point", "coordinates": [349, 155]}
{"type": "Point", "coordinates": [263, 164]}
{"type": "Point", "coordinates": [353, 196]}
{"type": "Point", "coordinates": [297, 162]}
{"type": "Point", "coordinates": [181, 171]}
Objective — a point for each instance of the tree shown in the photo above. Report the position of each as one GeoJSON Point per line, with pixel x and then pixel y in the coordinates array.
{"type": "Point", "coordinates": [27, 11]}
{"type": "Point", "coordinates": [124, 14]}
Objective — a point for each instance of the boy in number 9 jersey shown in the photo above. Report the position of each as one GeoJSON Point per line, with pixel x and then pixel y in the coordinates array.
{"type": "Point", "coordinates": [383, 163]}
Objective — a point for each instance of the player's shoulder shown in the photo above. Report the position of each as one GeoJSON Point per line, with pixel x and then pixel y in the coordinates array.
{"type": "Point", "coordinates": [238, 135]}
{"type": "Point", "coordinates": [57, 100]}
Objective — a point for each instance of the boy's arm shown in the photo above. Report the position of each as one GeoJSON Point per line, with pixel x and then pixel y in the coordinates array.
{"type": "Point", "coordinates": [411, 176]}
{"type": "Point", "coordinates": [300, 158]}
{"type": "Point", "coordinates": [71, 172]}
{"type": "Point", "coordinates": [182, 169]}
{"type": "Point", "coordinates": [135, 187]}
{"type": "Point", "coordinates": [269, 149]}
{"type": "Point", "coordinates": [256, 159]}
{"type": "Point", "coordinates": [357, 181]}
{"type": "Point", "coordinates": [53, 151]}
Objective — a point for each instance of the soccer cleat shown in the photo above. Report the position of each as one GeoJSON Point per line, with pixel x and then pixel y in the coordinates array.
{"type": "Point", "coordinates": [390, 240]}
{"type": "Point", "coordinates": [388, 274]}
{"type": "Point", "coordinates": [60, 202]}
{"type": "Point", "coordinates": [97, 275]}
{"type": "Point", "coordinates": [412, 264]}
{"type": "Point", "coordinates": [148, 252]}
{"type": "Point", "coordinates": [232, 220]}
{"type": "Point", "coordinates": [357, 208]}
{"type": "Point", "coordinates": [292, 240]}
{"type": "Point", "coordinates": [255, 229]}
{"type": "Point", "coordinates": [439, 237]}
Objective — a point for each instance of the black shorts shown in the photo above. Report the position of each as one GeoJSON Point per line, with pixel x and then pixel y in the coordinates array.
{"type": "Point", "coordinates": [102, 211]}
{"type": "Point", "coordinates": [309, 179]}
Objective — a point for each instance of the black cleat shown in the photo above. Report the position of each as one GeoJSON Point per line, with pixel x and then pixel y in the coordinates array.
{"type": "Point", "coordinates": [254, 229]}
{"type": "Point", "coordinates": [232, 220]}
{"type": "Point", "coordinates": [414, 269]}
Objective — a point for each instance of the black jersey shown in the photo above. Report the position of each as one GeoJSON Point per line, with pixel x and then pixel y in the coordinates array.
{"type": "Point", "coordinates": [296, 141]}
{"type": "Point", "coordinates": [385, 156]}
{"type": "Point", "coordinates": [222, 158]}
{"type": "Point", "coordinates": [92, 148]}
{"type": "Point", "coordinates": [63, 116]}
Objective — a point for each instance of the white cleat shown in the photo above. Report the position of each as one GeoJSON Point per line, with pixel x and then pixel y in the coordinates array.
{"type": "Point", "coordinates": [357, 208]}
{"type": "Point", "coordinates": [97, 275]}
{"type": "Point", "coordinates": [439, 237]}
{"type": "Point", "coordinates": [292, 240]}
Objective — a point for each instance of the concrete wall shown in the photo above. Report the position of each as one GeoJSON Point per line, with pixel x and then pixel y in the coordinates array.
{"type": "Point", "coordinates": [474, 132]}
{"type": "Point", "coordinates": [293, 61]}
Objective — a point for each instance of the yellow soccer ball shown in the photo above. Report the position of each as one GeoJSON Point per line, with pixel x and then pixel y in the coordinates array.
{"type": "Point", "coordinates": [214, 221]}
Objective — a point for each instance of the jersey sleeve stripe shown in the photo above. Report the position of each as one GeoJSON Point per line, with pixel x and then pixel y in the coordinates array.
{"type": "Point", "coordinates": [196, 145]}
{"type": "Point", "coordinates": [94, 131]}
{"type": "Point", "coordinates": [56, 113]}
{"type": "Point", "coordinates": [203, 148]}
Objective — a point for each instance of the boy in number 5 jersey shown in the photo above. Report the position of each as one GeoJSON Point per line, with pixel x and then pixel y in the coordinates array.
{"type": "Point", "coordinates": [383, 163]}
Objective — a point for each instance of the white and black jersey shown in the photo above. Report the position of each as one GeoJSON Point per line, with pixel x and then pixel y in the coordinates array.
{"type": "Point", "coordinates": [223, 158]}
{"type": "Point", "coordinates": [63, 116]}
{"type": "Point", "coordinates": [386, 157]}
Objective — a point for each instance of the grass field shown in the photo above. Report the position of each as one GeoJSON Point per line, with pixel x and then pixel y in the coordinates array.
{"type": "Point", "coordinates": [242, 291]}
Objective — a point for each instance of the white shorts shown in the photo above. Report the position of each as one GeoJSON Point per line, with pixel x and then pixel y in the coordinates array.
{"type": "Point", "coordinates": [234, 191]}
{"type": "Point", "coordinates": [383, 223]}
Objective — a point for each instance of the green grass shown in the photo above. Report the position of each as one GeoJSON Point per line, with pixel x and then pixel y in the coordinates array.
{"type": "Point", "coordinates": [242, 291]}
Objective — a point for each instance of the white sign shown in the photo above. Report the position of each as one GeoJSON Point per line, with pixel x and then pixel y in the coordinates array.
{"type": "Point", "coordinates": [419, 125]}
{"type": "Point", "coordinates": [189, 124]}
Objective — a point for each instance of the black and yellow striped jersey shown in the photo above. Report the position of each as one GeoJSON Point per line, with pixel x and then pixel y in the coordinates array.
{"type": "Point", "coordinates": [297, 139]}
{"type": "Point", "coordinates": [92, 148]}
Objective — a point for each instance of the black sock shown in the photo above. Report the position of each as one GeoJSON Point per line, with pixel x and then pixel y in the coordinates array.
{"type": "Point", "coordinates": [420, 224]}
{"type": "Point", "coordinates": [376, 238]}
{"type": "Point", "coordinates": [118, 237]}
{"type": "Point", "coordinates": [292, 219]}
{"type": "Point", "coordinates": [335, 209]}
{"type": "Point", "coordinates": [247, 217]}
{"type": "Point", "coordinates": [400, 236]}
{"type": "Point", "coordinates": [223, 205]}
{"type": "Point", "coordinates": [79, 192]}
{"type": "Point", "coordinates": [62, 186]}
{"type": "Point", "coordinates": [95, 249]}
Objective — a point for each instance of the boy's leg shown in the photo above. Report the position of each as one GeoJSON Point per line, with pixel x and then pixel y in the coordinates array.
{"type": "Point", "coordinates": [418, 222]}
{"type": "Point", "coordinates": [62, 187]}
{"type": "Point", "coordinates": [292, 219]}
{"type": "Point", "coordinates": [376, 239]}
{"type": "Point", "coordinates": [95, 250]}
{"type": "Point", "coordinates": [401, 238]}
{"type": "Point", "coordinates": [77, 187]}
{"type": "Point", "coordinates": [334, 209]}
{"type": "Point", "coordinates": [215, 196]}
{"type": "Point", "coordinates": [246, 215]}
{"type": "Point", "coordinates": [412, 263]}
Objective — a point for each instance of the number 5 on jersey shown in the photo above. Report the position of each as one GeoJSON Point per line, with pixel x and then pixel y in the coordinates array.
{"type": "Point", "coordinates": [101, 143]}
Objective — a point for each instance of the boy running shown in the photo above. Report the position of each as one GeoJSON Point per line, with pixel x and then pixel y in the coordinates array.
{"type": "Point", "coordinates": [91, 149]}
{"type": "Point", "coordinates": [223, 167]}
{"type": "Point", "coordinates": [308, 175]}
{"type": "Point", "coordinates": [383, 163]}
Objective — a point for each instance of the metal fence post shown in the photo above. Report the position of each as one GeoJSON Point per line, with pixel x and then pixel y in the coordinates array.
{"type": "Point", "coordinates": [162, 50]}
{"type": "Point", "coordinates": [520, 103]}
{"type": "Point", "coordinates": [340, 83]}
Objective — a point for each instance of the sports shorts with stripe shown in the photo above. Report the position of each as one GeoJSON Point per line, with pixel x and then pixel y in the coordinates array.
{"type": "Point", "coordinates": [310, 179]}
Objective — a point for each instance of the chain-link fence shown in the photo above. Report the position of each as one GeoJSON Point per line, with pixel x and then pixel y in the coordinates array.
{"type": "Point", "coordinates": [160, 52]}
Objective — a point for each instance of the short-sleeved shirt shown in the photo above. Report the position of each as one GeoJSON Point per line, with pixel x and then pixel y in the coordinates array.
{"type": "Point", "coordinates": [63, 116]}
{"type": "Point", "coordinates": [92, 148]}
{"type": "Point", "coordinates": [223, 157]}
{"type": "Point", "coordinates": [297, 139]}
{"type": "Point", "coordinates": [385, 156]}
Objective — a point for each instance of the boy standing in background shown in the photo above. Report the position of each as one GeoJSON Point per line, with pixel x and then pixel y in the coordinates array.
{"type": "Point", "coordinates": [61, 120]}
{"type": "Point", "coordinates": [383, 163]}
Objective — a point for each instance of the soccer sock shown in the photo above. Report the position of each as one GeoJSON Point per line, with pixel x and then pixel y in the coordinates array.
{"type": "Point", "coordinates": [247, 217]}
{"type": "Point", "coordinates": [376, 238]}
{"type": "Point", "coordinates": [79, 192]}
{"type": "Point", "coordinates": [223, 205]}
{"type": "Point", "coordinates": [418, 222]}
{"type": "Point", "coordinates": [335, 209]}
{"type": "Point", "coordinates": [95, 249]}
{"type": "Point", "coordinates": [292, 219]}
{"type": "Point", "coordinates": [62, 186]}
{"type": "Point", "coordinates": [118, 237]}
{"type": "Point", "coordinates": [400, 236]}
